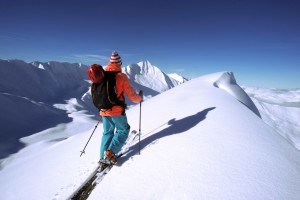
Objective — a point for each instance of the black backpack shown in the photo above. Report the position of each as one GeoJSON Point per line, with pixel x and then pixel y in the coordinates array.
{"type": "Point", "coordinates": [104, 94]}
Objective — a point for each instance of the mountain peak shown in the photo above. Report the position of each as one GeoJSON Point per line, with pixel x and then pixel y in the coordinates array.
{"type": "Point", "coordinates": [148, 75]}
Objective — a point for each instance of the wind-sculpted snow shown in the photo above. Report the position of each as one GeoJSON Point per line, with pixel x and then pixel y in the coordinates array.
{"type": "Point", "coordinates": [228, 83]}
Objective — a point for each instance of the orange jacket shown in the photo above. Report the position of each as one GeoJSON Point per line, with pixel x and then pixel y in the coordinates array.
{"type": "Point", "coordinates": [122, 86]}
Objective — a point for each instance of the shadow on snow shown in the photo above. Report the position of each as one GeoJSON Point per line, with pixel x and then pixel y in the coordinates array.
{"type": "Point", "coordinates": [176, 127]}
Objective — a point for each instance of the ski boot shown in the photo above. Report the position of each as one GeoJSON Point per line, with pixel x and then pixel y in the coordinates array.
{"type": "Point", "coordinates": [110, 156]}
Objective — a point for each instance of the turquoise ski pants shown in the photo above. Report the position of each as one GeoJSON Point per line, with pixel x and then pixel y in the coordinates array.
{"type": "Point", "coordinates": [115, 133]}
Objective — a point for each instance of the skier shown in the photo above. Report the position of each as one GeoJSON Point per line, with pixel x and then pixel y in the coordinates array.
{"type": "Point", "coordinates": [115, 125]}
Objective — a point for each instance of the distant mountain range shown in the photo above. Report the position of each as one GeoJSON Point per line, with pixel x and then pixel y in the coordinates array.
{"type": "Point", "coordinates": [29, 90]}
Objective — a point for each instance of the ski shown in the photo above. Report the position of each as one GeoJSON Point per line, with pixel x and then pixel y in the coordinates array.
{"type": "Point", "coordinates": [132, 136]}
{"type": "Point", "coordinates": [98, 174]}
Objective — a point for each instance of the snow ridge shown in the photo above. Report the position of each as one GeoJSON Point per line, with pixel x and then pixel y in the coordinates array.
{"type": "Point", "coordinates": [228, 83]}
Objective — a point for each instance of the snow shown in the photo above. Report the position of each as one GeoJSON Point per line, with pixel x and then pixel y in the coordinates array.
{"type": "Point", "coordinates": [178, 77]}
{"type": "Point", "coordinates": [27, 95]}
{"type": "Point", "coordinates": [228, 83]}
{"type": "Point", "coordinates": [41, 67]}
{"type": "Point", "coordinates": [198, 141]}
{"type": "Point", "coordinates": [280, 109]}
{"type": "Point", "coordinates": [211, 149]}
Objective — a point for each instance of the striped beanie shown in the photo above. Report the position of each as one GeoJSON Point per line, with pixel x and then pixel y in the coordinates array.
{"type": "Point", "coordinates": [115, 58]}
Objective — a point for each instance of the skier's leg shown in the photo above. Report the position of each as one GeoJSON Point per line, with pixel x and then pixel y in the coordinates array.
{"type": "Point", "coordinates": [122, 130]}
{"type": "Point", "coordinates": [108, 134]}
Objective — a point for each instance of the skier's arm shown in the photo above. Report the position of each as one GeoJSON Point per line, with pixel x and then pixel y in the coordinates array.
{"type": "Point", "coordinates": [129, 91]}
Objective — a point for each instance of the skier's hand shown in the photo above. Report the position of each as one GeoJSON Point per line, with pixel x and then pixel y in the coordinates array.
{"type": "Point", "coordinates": [141, 94]}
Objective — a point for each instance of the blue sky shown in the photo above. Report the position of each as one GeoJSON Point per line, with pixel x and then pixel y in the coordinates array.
{"type": "Point", "coordinates": [259, 40]}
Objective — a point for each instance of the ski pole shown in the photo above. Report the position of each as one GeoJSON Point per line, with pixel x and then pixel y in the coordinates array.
{"type": "Point", "coordinates": [82, 152]}
{"type": "Point", "coordinates": [140, 121]}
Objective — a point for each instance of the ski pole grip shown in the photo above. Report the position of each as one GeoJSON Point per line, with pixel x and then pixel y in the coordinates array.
{"type": "Point", "coordinates": [141, 94]}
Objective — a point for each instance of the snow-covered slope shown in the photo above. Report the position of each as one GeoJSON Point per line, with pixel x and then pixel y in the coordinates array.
{"type": "Point", "coordinates": [27, 94]}
{"type": "Point", "coordinates": [206, 146]}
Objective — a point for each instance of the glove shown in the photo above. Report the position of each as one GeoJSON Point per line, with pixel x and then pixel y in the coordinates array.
{"type": "Point", "coordinates": [141, 94]}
